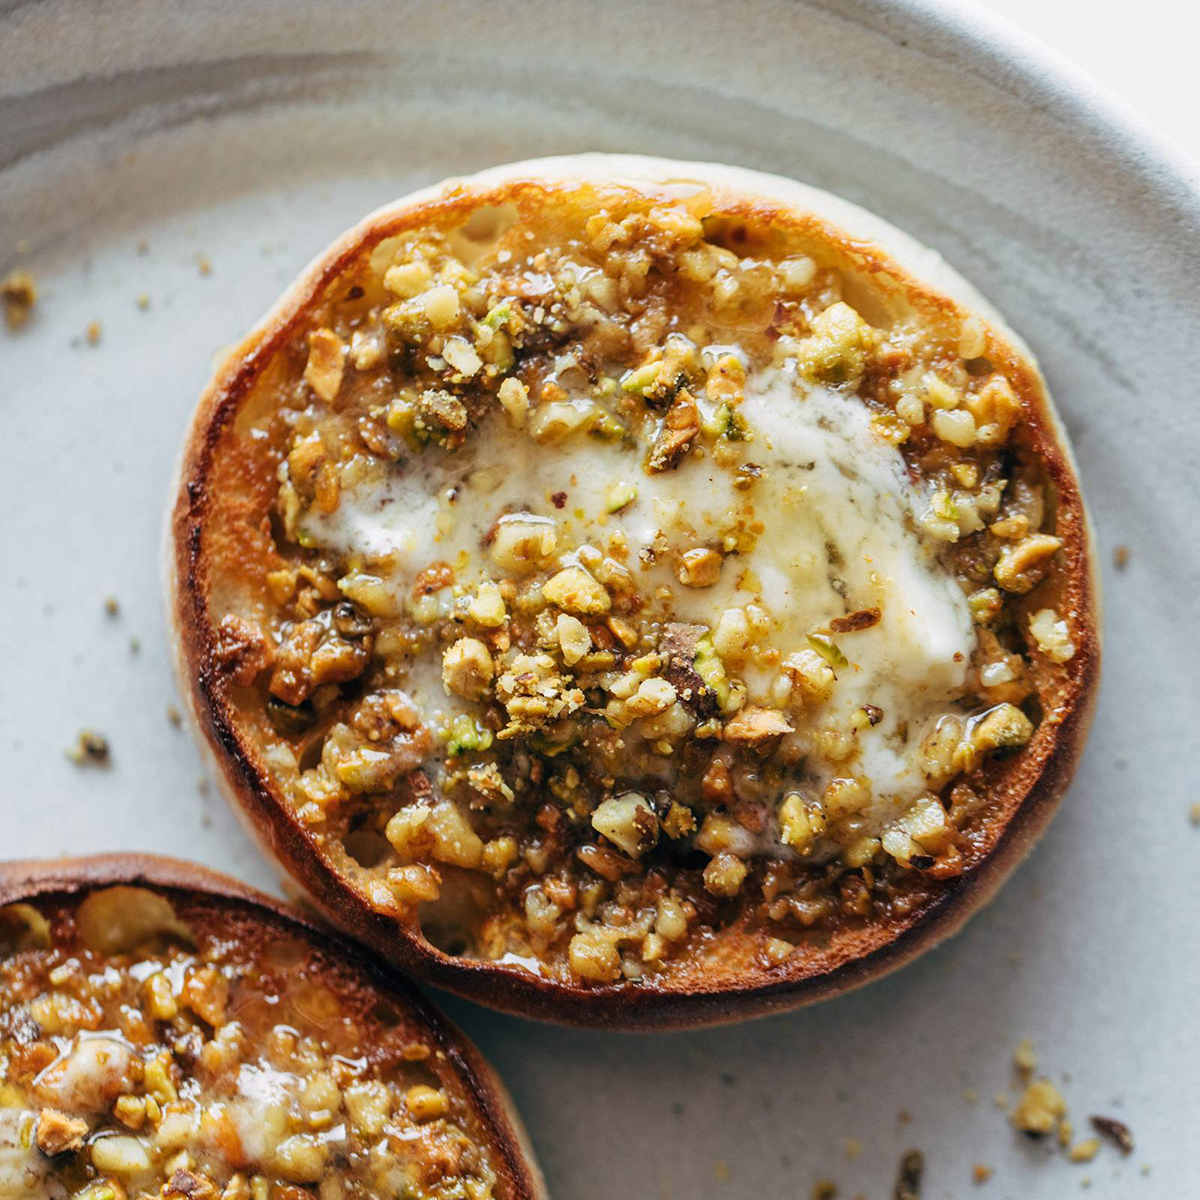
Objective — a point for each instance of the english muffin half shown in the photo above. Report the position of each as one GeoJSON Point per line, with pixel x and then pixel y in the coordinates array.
{"type": "Point", "coordinates": [634, 592]}
{"type": "Point", "coordinates": [168, 1033]}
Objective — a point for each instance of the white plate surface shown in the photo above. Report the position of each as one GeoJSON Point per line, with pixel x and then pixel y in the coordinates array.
{"type": "Point", "coordinates": [246, 135]}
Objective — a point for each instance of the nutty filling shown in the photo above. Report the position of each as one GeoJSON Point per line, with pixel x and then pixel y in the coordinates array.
{"type": "Point", "coordinates": [139, 1061]}
{"type": "Point", "coordinates": [634, 574]}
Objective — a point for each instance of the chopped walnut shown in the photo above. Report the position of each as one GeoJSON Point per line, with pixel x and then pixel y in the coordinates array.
{"type": "Point", "coordinates": [311, 655]}
{"type": "Point", "coordinates": [442, 410]}
{"type": "Point", "coordinates": [57, 1133]}
{"type": "Point", "coordinates": [629, 822]}
{"type": "Point", "coordinates": [725, 874]}
{"type": "Point", "coordinates": [242, 649]}
{"type": "Point", "coordinates": [1052, 635]}
{"type": "Point", "coordinates": [188, 1185]}
{"type": "Point", "coordinates": [679, 429]}
{"type": "Point", "coordinates": [1021, 567]}
{"type": "Point", "coordinates": [594, 957]}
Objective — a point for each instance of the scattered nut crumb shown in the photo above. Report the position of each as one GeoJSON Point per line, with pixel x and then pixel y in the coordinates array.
{"type": "Point", "coordinates": [174, 715]}
{"type": "Point", "coordinates": [143, 246]}
{"type": "Point", "coordinates": [1002, 1100]}
{"type": "Point", "coordinates": [57, 1133]}
{"type": "Point", "coordinates": [1040, 1109]}
{"type": "Point", "coordinates": [202, 262]}
{"type": "Point", "coordinates": [1194, 813]}
{"type": "Point", "coordinates": [143, 301]}
{"type": "Point", "coordinates": [908, 1179]}
{"type": "Point", "coordinates": [1024, 1059]}
{"type": "Point", "coordinates": [852, 1147]}
{"type": "Point", "coordinates": [92, 333]}
{"type": "Point", "coordinates": [721, 1170]}
{"type": "Point", "coordinates": [971, 1096]}
{"type": "Point", "coordinates": [1084, 1151]}
{"type": "Point", "coordinates": [1120, 557]}
{"type": "Point", "coordinates": [824, 1189]}
{"type": "Point", "coordinates": [904, 1116]}
{"type": "Point", "coordinates": [19, 294]}
{"type": "Point", "coordinates": [981, 1173]}
{"type": "Point", "coordinates": [111, 606]}
{"type": "Point", "coordinates": [89, 747]}
{"type": "Point", "coordinates": [135, 645]}
{"type": "Point", "coordinates": [1116, 1131]}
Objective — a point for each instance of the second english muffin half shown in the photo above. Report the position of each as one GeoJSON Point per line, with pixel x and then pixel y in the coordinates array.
{"type": "Point", "coordinates": [634, 592]}
{"type": "Point", "coordinates": [166, 1032]}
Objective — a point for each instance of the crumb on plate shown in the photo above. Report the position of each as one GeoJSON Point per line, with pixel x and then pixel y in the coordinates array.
{"type": "Point", "coordinates": [89, 747]}
{"type": "Point", "coordinates": [19, 293]}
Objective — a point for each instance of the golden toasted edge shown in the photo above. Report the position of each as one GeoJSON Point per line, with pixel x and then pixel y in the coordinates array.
{"type": "Point", "coordinates": [1032, 788]}
{"type": "Point", "coordinates": [27, 879]}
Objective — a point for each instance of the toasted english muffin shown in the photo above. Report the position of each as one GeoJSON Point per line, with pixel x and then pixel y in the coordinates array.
{"type": "Point", "coordinates": [635, 592]}
{"type": "Point", "coordinates": [166, 1032]}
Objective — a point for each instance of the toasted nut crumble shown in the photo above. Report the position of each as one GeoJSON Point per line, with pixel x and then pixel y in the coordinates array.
{"type": "Point", "coordinates": [603, 572]}
{"type": "Point", "coordinates": [19, 293]}
{"type": "Point", "coordinates": [235, 1071]}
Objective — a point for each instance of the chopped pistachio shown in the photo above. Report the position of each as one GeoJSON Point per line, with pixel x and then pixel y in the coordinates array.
{"type": "Point", "coordinates": [637, 381]}
{"type": "Point", "coordinates": [466, 734]}
{"type": "Point", "coordinates": [828, 649]}
{"type": "Point", "coordinates": [619, 495]}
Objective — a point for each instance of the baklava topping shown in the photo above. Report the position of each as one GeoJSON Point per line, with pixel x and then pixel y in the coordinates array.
{"type": "Point", "coordinates": [633, 571]}
{"type": "Point", "coordinates": [144, 1056]}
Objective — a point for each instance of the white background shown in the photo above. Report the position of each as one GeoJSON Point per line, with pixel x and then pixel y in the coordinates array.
{"type": "Point", "coordinates": [1145, 52]}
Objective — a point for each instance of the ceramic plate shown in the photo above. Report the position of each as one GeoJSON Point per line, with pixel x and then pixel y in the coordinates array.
{"type": "Point", "coordinates": [165, 168]}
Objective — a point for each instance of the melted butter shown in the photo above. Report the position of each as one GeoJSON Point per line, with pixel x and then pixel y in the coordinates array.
{"type": "Point", "coordinates": [831, 525]}
{"type": "Point", "coordinates": [258, 1112]}
{"type": "Point", "coordinates": [25, 1174]}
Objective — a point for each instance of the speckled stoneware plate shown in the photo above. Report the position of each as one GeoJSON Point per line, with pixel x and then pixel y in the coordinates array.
{"type": "Point", "coordinates": [166, 168]}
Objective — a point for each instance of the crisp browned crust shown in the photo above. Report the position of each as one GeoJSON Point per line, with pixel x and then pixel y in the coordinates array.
{"type": "Point", "coordinates": [1026, 792]}
{"type": "Point", "coordinates": [359, 981]}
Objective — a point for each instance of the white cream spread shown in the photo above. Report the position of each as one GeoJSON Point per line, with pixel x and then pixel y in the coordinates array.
{"type": "Point", "coordinates": [835, 512]}
{"type": "Point", "coordinates": [25, 1173]}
